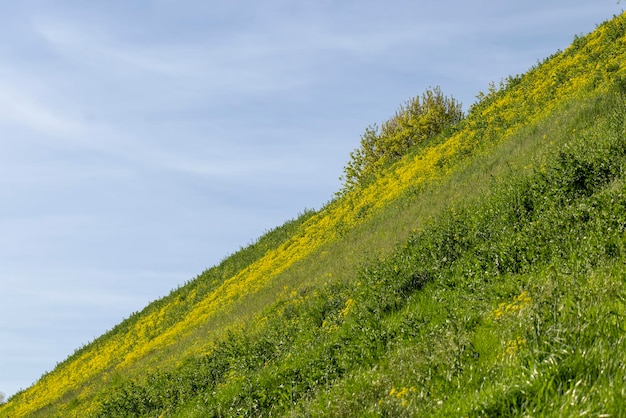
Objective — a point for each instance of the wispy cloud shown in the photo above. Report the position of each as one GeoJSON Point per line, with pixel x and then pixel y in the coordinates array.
{"type": "Point", "coordinates": [98, 48]}
{"type": "Point", "coordinates": [19, 109]}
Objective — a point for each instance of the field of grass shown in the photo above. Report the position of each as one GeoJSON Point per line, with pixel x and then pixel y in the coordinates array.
{"type": "Point", "coordinates": [481, 275]}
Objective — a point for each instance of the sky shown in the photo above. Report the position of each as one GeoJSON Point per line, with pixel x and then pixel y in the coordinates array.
{"type": "Point", "coordinates": [141, 142]}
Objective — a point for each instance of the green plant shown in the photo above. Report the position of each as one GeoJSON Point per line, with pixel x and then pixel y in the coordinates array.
{"type": "Point", "coordinates": [414, 123]}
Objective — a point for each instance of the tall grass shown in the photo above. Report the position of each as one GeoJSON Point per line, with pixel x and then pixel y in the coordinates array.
{"type": "Point", "coordinates": [497, 306]}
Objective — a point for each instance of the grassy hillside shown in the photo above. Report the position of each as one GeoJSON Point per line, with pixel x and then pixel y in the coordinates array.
{"type": "Point", "coordinates": [481, 275]}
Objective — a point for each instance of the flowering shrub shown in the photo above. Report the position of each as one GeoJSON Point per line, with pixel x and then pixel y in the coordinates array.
{"type": "Point", "coordinates": [416, 122]}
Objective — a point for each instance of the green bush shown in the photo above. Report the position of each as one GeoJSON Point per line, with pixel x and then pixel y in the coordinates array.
{"type": "Point", "coordinates": [416, 122]}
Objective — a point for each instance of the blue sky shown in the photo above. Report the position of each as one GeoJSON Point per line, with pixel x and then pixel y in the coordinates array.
{"type": "Point", "coordinates": [144, 141]}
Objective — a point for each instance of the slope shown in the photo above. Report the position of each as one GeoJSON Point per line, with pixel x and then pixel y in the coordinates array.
{"type": "Point", "coordinates": [464, 265]}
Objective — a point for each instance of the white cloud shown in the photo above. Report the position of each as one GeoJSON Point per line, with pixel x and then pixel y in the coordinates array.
{"type": "Point", "coordinates": [18, 109]}
{"type": "Point", "coordinates": [95, 47]}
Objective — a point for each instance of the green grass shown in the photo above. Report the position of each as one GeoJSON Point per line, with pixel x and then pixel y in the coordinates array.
{"type": "Point", "coordinates": [511, 303]}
